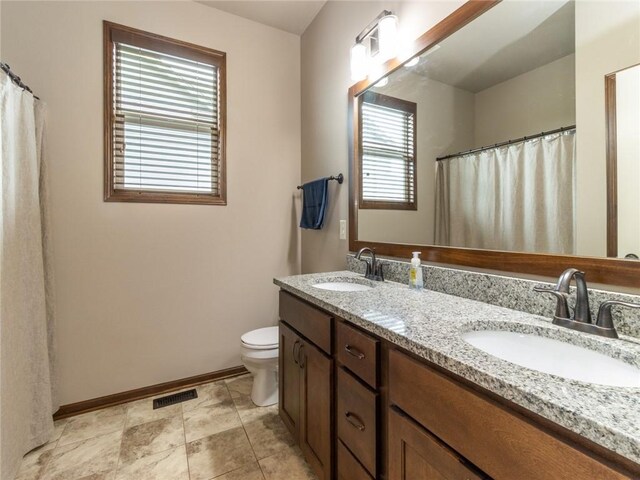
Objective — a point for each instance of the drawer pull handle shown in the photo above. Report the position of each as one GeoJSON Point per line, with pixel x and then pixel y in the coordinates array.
{"type": "Point", "coordinates": [354, 420]}
{"type": "Point", "coordinates": [302, 357]}
{"type": "Point", "coordinates": [354, 352]}
{"type": "Point", "coordinates": [296, 351]}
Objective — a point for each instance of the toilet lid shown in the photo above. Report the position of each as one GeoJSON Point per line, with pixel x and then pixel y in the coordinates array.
{"type": "Point", "coordinates": [261, 338]}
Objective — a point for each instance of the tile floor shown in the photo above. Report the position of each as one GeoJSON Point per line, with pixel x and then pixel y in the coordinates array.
{"type": "Point", "coordinates": [220, 435]}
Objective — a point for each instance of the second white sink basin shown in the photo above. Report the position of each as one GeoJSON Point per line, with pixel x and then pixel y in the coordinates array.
{"type": "Point", "coordinates": [342, 286]}
{"type": "Point", "coordinates": [555, 357]}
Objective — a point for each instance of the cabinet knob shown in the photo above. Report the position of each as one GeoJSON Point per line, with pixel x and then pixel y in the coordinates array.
{"type": "Point", "coordinates": [354, 420]}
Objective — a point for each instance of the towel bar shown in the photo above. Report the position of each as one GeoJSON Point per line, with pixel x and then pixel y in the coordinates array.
{"type": "Point", "coordinates": [339, 178]}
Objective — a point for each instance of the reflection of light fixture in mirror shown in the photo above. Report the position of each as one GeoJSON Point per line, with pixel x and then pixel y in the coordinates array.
{"type": "Point", "coordinates": [413, 62]}
{"type": "Point", "coordinates": [376, 44]}
{"type": "Point", "coordinates": [382, 82]}
{"type": "Point", "coordinates": [431, 50]}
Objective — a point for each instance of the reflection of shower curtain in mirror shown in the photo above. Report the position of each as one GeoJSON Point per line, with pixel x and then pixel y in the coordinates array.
{"type": "Point", "coordinates": [518, 197]}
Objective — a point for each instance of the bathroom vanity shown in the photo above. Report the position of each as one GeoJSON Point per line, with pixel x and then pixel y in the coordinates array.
{"type": "Point", "coordinates": [379, 383]}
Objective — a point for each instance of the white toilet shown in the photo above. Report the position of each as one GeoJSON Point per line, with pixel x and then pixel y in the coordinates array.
{"type": "Point", "coordinates": [260, 356]}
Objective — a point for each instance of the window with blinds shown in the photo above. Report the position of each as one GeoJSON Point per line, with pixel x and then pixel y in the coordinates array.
{"type": "Point", "coordinates": [387, 152]}
{"type": "Point", "coordinates": [165, 119]}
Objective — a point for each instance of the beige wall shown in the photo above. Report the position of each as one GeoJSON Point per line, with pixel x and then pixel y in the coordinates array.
{"type": "Point", "coordinates": [607, 40]}
{"type": "Point", "coordinates": [540, 100]}
{"type": "Point", "coordinates": [325, 80]}
{"type": "Point", "coordinates": [444, 125]}
{"type": "Point", "coordinates": [628, 159]}
{"type": "Point", "coordinates": [150, 293]}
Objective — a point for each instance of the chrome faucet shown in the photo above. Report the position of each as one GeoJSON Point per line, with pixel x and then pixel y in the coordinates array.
{"type": "Point", "coordinates": [582, 320]}
{"type": "Point", "coordinates": [374, 269]}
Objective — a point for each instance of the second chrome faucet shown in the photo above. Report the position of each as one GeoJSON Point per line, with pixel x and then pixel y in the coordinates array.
{"type": "Point", "coordinates": [581, 319]}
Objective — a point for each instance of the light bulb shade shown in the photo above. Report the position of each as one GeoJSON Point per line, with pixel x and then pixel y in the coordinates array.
{"type": "Point", "coordinates": [387, 37]}
{"type": "Point", "coordinates": [358, 62]}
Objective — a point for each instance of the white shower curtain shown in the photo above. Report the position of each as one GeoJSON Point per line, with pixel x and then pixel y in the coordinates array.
{"type": "Point", "coordinates": [26, 311]}
{"type": "Point", "coordinates": [518, 197]}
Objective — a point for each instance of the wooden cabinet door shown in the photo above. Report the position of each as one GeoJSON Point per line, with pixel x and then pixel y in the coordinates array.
{"type": "Point", "coordinates": [415, 454]}
{"type": "Point", "coordinates": [315, 409]}
{"type": "Point", "coordinates": [289, 374]}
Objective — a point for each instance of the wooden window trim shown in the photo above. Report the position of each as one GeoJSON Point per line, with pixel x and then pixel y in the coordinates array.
{"type": "Point", "coordinates": [399, 104]}
{"type": "Point", "coordinates": [113, 32]}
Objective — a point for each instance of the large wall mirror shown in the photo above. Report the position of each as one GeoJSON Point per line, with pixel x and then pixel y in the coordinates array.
{"type": "Point", "coordinates": [492, 147]}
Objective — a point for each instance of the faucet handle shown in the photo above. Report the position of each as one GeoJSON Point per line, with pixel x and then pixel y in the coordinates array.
{"type": "Point", "coordinates": [605, 320]}
{"type": "Point", "coordinates": [562, 307]}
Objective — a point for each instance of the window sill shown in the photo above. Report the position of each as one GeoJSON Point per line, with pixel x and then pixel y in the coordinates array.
{"type": "Point", "coordinates": [156, 197]}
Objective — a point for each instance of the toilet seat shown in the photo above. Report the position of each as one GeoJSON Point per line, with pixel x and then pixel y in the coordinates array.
{"type": "Point", "coordinates": [261, 339]}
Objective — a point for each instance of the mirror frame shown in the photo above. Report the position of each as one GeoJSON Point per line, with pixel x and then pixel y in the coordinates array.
{"type": "Point", "coordinates": [612, 160]}
{"type": "Point", "coordinates": [612, 164]}
{"type": "Point", "coordinates": [610, 271]}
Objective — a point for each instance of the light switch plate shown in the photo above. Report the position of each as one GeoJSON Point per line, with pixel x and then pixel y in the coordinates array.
{"type": "Point", "coordinates": [343, 229]}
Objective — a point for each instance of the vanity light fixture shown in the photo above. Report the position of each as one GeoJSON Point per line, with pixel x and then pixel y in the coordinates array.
{"type": "Point", "coordinates": [376, 44]}
{"type": "Point", "coordinates": [358, 62]}
{"type": "Point", "coordinates": [387, 37]}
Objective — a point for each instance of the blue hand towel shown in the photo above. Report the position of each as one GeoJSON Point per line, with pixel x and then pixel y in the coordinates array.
{"type": "Point", "coordinates": [315, 196]}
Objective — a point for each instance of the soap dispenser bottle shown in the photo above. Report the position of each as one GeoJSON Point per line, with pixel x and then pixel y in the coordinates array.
{"type": "Point", "coordinates": [415, 274]}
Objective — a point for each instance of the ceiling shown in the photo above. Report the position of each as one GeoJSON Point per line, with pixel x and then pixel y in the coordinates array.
{"type": "Point", "coordinates": [510, 39]}
{"type": "Point", "coordinates": [292, 16]}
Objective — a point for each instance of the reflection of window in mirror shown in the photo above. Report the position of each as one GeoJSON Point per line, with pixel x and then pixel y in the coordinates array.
{"type": "Point", "coordinates": [623, 122]}
{"type": "Point", "coordinates": [387, 153]}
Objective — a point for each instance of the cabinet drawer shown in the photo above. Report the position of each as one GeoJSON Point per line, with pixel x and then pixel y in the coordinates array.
{"type": "Point", "coordinates": [501, 442]}
{"type": "Point", "coordinates": [358, 352]}
{"type": "Point", "coordinates": [356, 419]}
{"type": "Point", "coordinates": [348, 467]}
{"type": "Point", "coordinates": [307, 320]}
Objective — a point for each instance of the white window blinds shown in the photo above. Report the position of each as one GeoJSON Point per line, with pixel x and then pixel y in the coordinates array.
{"type": "Point", "coordinates": [166, 127]}
{"type": "Point", "coordinates": [387, 152]}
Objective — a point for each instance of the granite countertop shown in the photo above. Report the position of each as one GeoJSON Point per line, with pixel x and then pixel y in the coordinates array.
{"type": "Point", "coordinates": [429, 324]}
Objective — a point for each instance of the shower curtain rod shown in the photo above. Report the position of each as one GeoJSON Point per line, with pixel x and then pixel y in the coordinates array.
{"type": "Point", "coordinates": [508, 142]}
{"type": "Point", "coordinates": [16, 79]}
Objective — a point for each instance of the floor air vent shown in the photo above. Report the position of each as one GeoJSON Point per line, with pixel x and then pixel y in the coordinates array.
{"type": "Point", "coordinates": [175, 398]}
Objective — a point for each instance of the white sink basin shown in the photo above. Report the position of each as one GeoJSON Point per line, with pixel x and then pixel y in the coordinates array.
{"type": "Point", "coordinates": [555, 357]}
{"type": "Point", "coordinates": [342, 286]}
